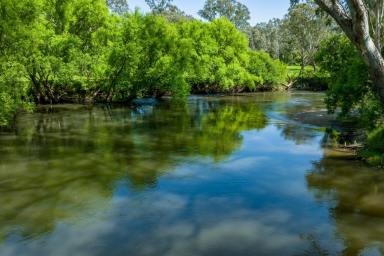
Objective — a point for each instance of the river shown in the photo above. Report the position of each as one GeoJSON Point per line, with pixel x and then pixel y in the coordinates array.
{"type": "Point", "coordinates": [239, 175]}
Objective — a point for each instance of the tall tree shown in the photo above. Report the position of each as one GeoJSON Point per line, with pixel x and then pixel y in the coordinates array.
{"type": "Point", "coordinates": [118, 6]}
{"type": "Point", "coordinates": [362, 22]}
{"type": "Point", "coordinates": [234, 11]}
{"type": "Point", "coordinates": [167, 9]}
{"type": "Point", "coordinates": [306, 30]}
{"type": "Point", "coordinates": [267, 37]}
{"type": "Point", "coordinates": [159, 6]}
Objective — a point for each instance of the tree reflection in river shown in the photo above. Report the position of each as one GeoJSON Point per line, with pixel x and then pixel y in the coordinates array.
{"type": "Point", "coordinates": [57, 164]}
{"type": "Point", "coordinates": [357, 193]}
{"type": "Point", "coordinates": [220, 175]}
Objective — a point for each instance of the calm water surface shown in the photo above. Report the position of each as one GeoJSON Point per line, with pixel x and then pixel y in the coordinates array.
{"type": "Point", "coordinates": [242, 175]}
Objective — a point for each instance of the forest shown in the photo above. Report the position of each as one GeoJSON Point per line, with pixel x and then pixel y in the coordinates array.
{"type": "Point", "coordinates": [97, 51]}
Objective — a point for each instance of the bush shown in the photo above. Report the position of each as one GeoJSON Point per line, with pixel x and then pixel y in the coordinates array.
{"type": "Point", "coordinates": [373, 152]}
{"type": "Point", "coordinates": [312, 80]}
{"type": "Point", "coordinates": [348, 75]}
{"type": "Point", "coordinates": [77, 50]}
{"type": "Point", "coordinates": [13, 93]}
{"type": "Point", "coordinates": [267, 72]}
{"type": "Point", "coordinates": [375, 140]}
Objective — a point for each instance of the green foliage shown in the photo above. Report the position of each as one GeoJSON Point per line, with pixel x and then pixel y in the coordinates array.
{"type": "Point", "coordinates": [376, 140]}
{"type": "Point", "coordinates": [158, 5]}
{"type": "Point", "coordinates": [118, 6]}
{"type": "Point", "coordinates": [295, 70]}
{"type": "Point", "coordinates": [351, 92]}
{"type": "Point", "coordinates": [268, 71]}
{"type": "Point", "coordinates": [13, 92]}
{"type": "Point", "coordinates": [305, 29]}
{"type": "Point", "coordinates": [309, 79]}
{"type": "Point", "coordinates": [294, 39]}
{"type": "Point", "coordinates": [233, 10]}
{"type": "Point", "coordinates": [373, 153]}
{"type": "Point", "coordinates": [349, 87]}
{"type": "Point", "coordinates": [156, 57]}
{"type": "Point", "coordinates": [86, 50]}
{"type": "Point", "coordinates": [270, 37]}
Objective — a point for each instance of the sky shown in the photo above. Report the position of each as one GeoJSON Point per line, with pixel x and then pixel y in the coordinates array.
{"type": "Point", "coordinates": [261, 10]}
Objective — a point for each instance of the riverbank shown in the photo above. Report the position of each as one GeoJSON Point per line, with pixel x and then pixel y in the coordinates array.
{"type": "Point", "coordinates": [339, 135]}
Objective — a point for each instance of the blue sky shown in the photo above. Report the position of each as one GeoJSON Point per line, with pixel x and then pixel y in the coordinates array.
{"type": "Point", "coordinates": [261, 10]}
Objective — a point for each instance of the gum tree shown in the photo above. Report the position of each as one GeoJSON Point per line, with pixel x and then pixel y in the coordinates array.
{"type": "Point", "coordinates": [362, 22]}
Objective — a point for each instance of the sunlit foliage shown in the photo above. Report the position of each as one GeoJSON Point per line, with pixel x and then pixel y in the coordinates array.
{"type": "Point", "coordinates": [81, 50]}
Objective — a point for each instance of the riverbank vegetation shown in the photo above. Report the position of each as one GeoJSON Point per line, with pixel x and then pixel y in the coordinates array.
{"type": "Point", "coordinates": [84, 50]}
{"type": "Point", "coordinates": [54, 51]}
{"type": "Point", "coordinates": [342, 42]}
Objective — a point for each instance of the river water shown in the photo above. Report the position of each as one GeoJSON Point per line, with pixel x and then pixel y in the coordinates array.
{"type": "Point", "coordinates": [241, 175]}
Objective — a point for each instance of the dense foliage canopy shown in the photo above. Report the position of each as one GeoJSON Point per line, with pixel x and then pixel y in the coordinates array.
{"type": "Point", "coordinates": [55, 51]}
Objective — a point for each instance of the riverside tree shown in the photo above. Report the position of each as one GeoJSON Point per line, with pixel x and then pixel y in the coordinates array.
{"type": "Point", "coordinates": [233, 10]}
{"type": "Point", "coordinates": [55, 51]}
{"type": "Point", "coordinates": [306, 30]}
{"type": "Point", "coordinates": [362, 23]}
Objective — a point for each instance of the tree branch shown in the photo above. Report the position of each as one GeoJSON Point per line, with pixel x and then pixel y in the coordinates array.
{"type": "Point", "coordinates": [338, 13]}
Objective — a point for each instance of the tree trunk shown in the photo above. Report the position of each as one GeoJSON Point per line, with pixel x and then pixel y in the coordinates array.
{"type": "Point", "coordinates": [302, 63]}
{"type": "Point", "coordinates": [355, 25]}
{"type": "Point", "coordinates": [368, 49]}
{"type": "Point", "coordinates": [375, 63]}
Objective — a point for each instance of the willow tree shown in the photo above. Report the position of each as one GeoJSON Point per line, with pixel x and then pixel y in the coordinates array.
{"type": "Point", "coordinates": [362, 22]}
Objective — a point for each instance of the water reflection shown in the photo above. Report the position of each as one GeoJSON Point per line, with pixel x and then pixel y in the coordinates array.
{"type": "Point", "coordinates": [213, 176]}
{"type": "Point", "coordinates": [57, 163]}
{"type": "Point", "coordinates": [356, 193]}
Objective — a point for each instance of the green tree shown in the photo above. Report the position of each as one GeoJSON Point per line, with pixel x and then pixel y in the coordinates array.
{"type": "Point", "coordinates": [57, 51]}
{"type": "Point", "coordinates": [118, 6]}
{"type": "Point", "coordinates": [168, 10]}
{"type": "Point", "coordinates": [159, 6]}
{"type": "Point", "coordinates": [306, 30]}
{"type": "Point", "coordinates": [348, 75]}
{"type": "Point", "coordinates": [362, 22]}
{"type": "Point", "coordinates": [18, 20]}
{"type": "Point", "coordinates": [268, 37]}
{"type": "Point", "coordinates": [233, 10]}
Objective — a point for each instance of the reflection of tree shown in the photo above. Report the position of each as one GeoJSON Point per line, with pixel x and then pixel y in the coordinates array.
{"type": "Point", "coordinates": [298, 133]}
{"type": "Point", "coordinates": [60, 164]}
{"type": "Point", "coordinates": [357, 192]}
{"type": "Point", "coordinates": [216, 133]}
{"type": "Point", "coordinates": [314, 248]}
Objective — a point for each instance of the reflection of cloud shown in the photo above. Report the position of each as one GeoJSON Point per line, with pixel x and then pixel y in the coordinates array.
{"type": "Point", "coordinates": [155, 223]}
{"type": "Point", "coordinates": [267, 143]}
{"type": "Point", "coordinates": [239, 232]}
{"type": "Point", "coordinates": [65, 240]}
{"type": "Point", "coordinates": [245, 237]}
{"type": "Point", "coordinates": [244, 163]}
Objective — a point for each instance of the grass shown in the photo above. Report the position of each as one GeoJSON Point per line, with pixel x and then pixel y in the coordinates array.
{"type": "Point", "coordinates": [294, 70]}
{"type": "Point", "coordinates": [374, 151]}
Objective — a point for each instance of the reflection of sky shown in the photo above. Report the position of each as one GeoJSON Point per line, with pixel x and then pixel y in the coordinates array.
{"type": "Point", "coordinates": [255, 202]}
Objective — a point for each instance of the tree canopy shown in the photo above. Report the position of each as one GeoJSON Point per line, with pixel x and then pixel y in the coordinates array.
{"type": "Point", "coordinates": [233, 10]}
{"type": "Point", "coordinates": [56, 51]}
